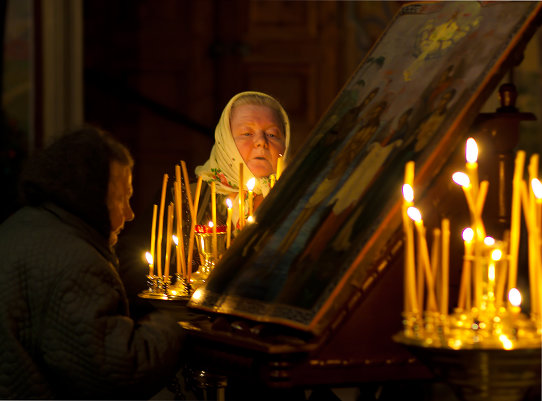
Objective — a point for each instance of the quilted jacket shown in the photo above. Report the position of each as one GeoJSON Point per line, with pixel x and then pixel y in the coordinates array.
{"type": "Point", "coordinates": [65, 330]}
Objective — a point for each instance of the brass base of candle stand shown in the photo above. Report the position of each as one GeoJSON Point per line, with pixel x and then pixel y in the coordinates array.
{"type": "Point", "coordinates": [481, 374]}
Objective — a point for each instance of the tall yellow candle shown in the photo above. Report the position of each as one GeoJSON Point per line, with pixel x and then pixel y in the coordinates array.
{"type": "Point", "coordinates": [410, 297]}
{"type": "Point", "coordinates": [471, 155]}
{"type": "Point", "coordinates": [464, 287]}
{"type": "Point", "coordinates": [280, 166]}
{"type": "Point", "coordinates": [272, 180]}
{"type": "Point", "coordinates": [250, 186]}
{"type": "Point", "coordinates": [169, 233]}
{"type": "Point", "coordinates": [213, 213]}
{"type": "Point", "coordinates": [181, 260]}
{"type": "Point", "coordinates": [187, 188]}
{"type": "Point", "coordinates": [228, 222]}
{"type": "Point", "coordinates": [150, 261]}
{"type": "Point", "coordinates": [241, 198]}
{"type": "Point", "coordinates": [153, 239]}
{"type": "Point", "coordinates": [515, 219]}
{"type": "Point", "coordinates": [444, 274]}
{"type": "Point", "coordinates": [418, 222]}
{"type": "Point", "coordinates": [161, 226]}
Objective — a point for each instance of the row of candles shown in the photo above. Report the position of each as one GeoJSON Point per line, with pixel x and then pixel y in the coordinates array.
{"type": "Point", "coordinates": [175, 212]}
{"type": "Point", "coordinates": [491, 265]}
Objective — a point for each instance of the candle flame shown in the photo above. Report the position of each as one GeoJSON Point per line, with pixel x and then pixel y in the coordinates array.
{"type": "Point", "coordinates": [175, 239]}
{"type": "Point", "coordinates": [229, 203]}
{"type": "Point", "coordinates": [514, 296]}
{"type": "Point", "coordinates": [537, 188]}
{"type": "Point", "coordinates": [250, 219]}
{"type": "Point", "coordinates": [408, 193]}
{"type": "Point", "coordinates": [197, 294]}
{"type": "Point", "coordinates": [414, 214]}
{"type": "Point", "coordinates": [506, 343]}
{"type": "Point", "coordinates": [496, 254]}
{"type": "Point", "coordinates": [471, 151]}
{"type": "Point", "coordinates": [461, 179]}
{"type": "Point", "coordinates": [468, 234]}
{"type": "Point", "coordinates": [210, 224]}
{"type": "Point", "coordinates": [251, 183]}
{"type": "Point", "coordinates": [148, 256]}
{"type": "Point", "coordinates": [491, 272]}
{"type": "Point", "coordinates": [489, 241]}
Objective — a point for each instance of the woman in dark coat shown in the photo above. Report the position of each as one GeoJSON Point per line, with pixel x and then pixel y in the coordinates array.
{"type": "Point", "coordinates": [65, 329]}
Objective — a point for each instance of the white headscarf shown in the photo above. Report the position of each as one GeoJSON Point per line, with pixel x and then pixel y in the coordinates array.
{"type": "Point", "coordinates": [223, 164]}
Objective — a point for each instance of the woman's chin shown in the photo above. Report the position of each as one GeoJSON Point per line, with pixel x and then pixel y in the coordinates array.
{"type": "Point", "coordinates": [260, 169]}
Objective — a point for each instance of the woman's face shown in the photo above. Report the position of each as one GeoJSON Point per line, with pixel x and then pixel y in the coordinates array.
{"type": "Point", "coordinates": [118, 199]}
{"type": "Point", "coordinates": [257, 132]}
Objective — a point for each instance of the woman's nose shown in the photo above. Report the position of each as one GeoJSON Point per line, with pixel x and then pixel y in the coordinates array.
{"type": "Point", "coordinates": [129, 213]}
{"type": "Point", "coordinates": [260, 139]}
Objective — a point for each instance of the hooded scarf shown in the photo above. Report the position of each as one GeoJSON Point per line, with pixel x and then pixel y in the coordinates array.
{"type": "Point", "coordinates": [223, 163]}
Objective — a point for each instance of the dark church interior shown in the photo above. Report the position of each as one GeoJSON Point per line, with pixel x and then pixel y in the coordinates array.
{"type": "Point", "coordinates": [157, 74]}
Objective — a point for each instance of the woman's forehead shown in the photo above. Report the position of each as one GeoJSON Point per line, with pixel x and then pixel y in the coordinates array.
{"type": "Point", "coordinates": [251, 113]}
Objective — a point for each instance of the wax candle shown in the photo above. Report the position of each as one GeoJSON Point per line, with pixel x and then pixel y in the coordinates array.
{"type": "Point", "coordinates": [250, 186]}
{"type": "Point", "coordinates": [465, 285]}
{"type": "Point", "coordinates": [471, 155]}
{"type": "Point", "coordinates": [150, 261]}
{"type": "Point", "coordinates": [168, 239]}
{"type": "Point", "coordinates": [444, 276]}
{"type": "Point", "coordinates": [410, 301]}
{"type": "Point", "coordinates": [410, 297]}
{"type": "Point", "coordinates": [272, 180]}
{"type": "Point", "coordinates": [415, 215]}
{"type": "Point", "coordinates": [515, 219]}
{"type": "Point", "coordinates": [435, 259]}
{"type": "Point", "coordinates": [514, 299]}
{"type": "Point", "coordinates": [161, 226]}
{"type": "Point", "coordinates": [241, 198]}
{"type": "Point", "coordinates": [228, 222]}
{"type": "Point", "coordinates": [213, 214]}
{"type": "Point", "coordinates": [181, 261]}
{"type": "Point", "coordinates": [280, 166]}
{"type": "Point", "coordinates": [153, 238]}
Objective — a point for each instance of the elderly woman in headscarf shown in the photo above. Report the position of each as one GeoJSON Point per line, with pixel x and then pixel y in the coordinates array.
{"type": "Point", "coordinates": [254, 130]}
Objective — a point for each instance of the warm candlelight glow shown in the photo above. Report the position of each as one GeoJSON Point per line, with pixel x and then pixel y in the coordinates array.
{"type": "Point", "coordinates": [175, 239]}
{"type": "Point", "coordinates": [468, 234]}
{"type": "Point", "coordinates": [489, 241]}
{"type": "Point", "coordinates": [250, 186]}
{"type": "Point", "coordinates": [471, 152]}
{"type": "Point", "coordinates": [514, 296]}
{"type": "Point", "coordinates": [228, 222]}
{"type": "Point", "coordinates": [496, 254]}
{"type": "Point", "coordinates": [210, 224]}
{"type": "Point", "coordinates": [461, 179]}
{"type": "Point", "coordinates": [408, 193]}
{"type": "Point", "coordinates": [414, 214]}
{"type": "Point", "coordinates": [280, 166]}
{"type": "Point", "coordinates": [537, 188]}
{"type": "Point", "coordinates": [250, 219]}
{"type": "Point", "coordinates": [148, 256]}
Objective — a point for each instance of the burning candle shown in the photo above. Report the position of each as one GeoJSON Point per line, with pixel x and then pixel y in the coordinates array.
{"type": "Point", "coordinates": [168, 239]}
{"type": "Point", "coordinates": [445, 228]}
{"type": "Point", "coordinates": [272, 180]}
{"type": "Point", "coordinates": [241, 198]}
{"type": "Point", "coordinates": [228, 222]}
{"type": "Point", "coordinates": [471, 155]}
{"type": "Point", "coordinates": [181, 262]}
{"type": "Point", "coordinates": [161, 226]}
{"type": "Point", "coordinates": [415, 215]}
{"type": "Point", "coordinates": [153, 239]}
{"type": "Point", "coordinates": [514, 299]}
{"type": "Point", "coordinates": [213, 213]}
{"type": "Point", "coordinates": [515, 219]}
{"type": "Point", "coordinates": [150, 261]}
{"type": "Point", "coordinates": [250, 186]}
{"type": "Point", "coordinates": [410, 302]}
{"type": "Point", "coordinates": [280, 166]}
{"type": "Point", "coordinates": [465, 285]}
